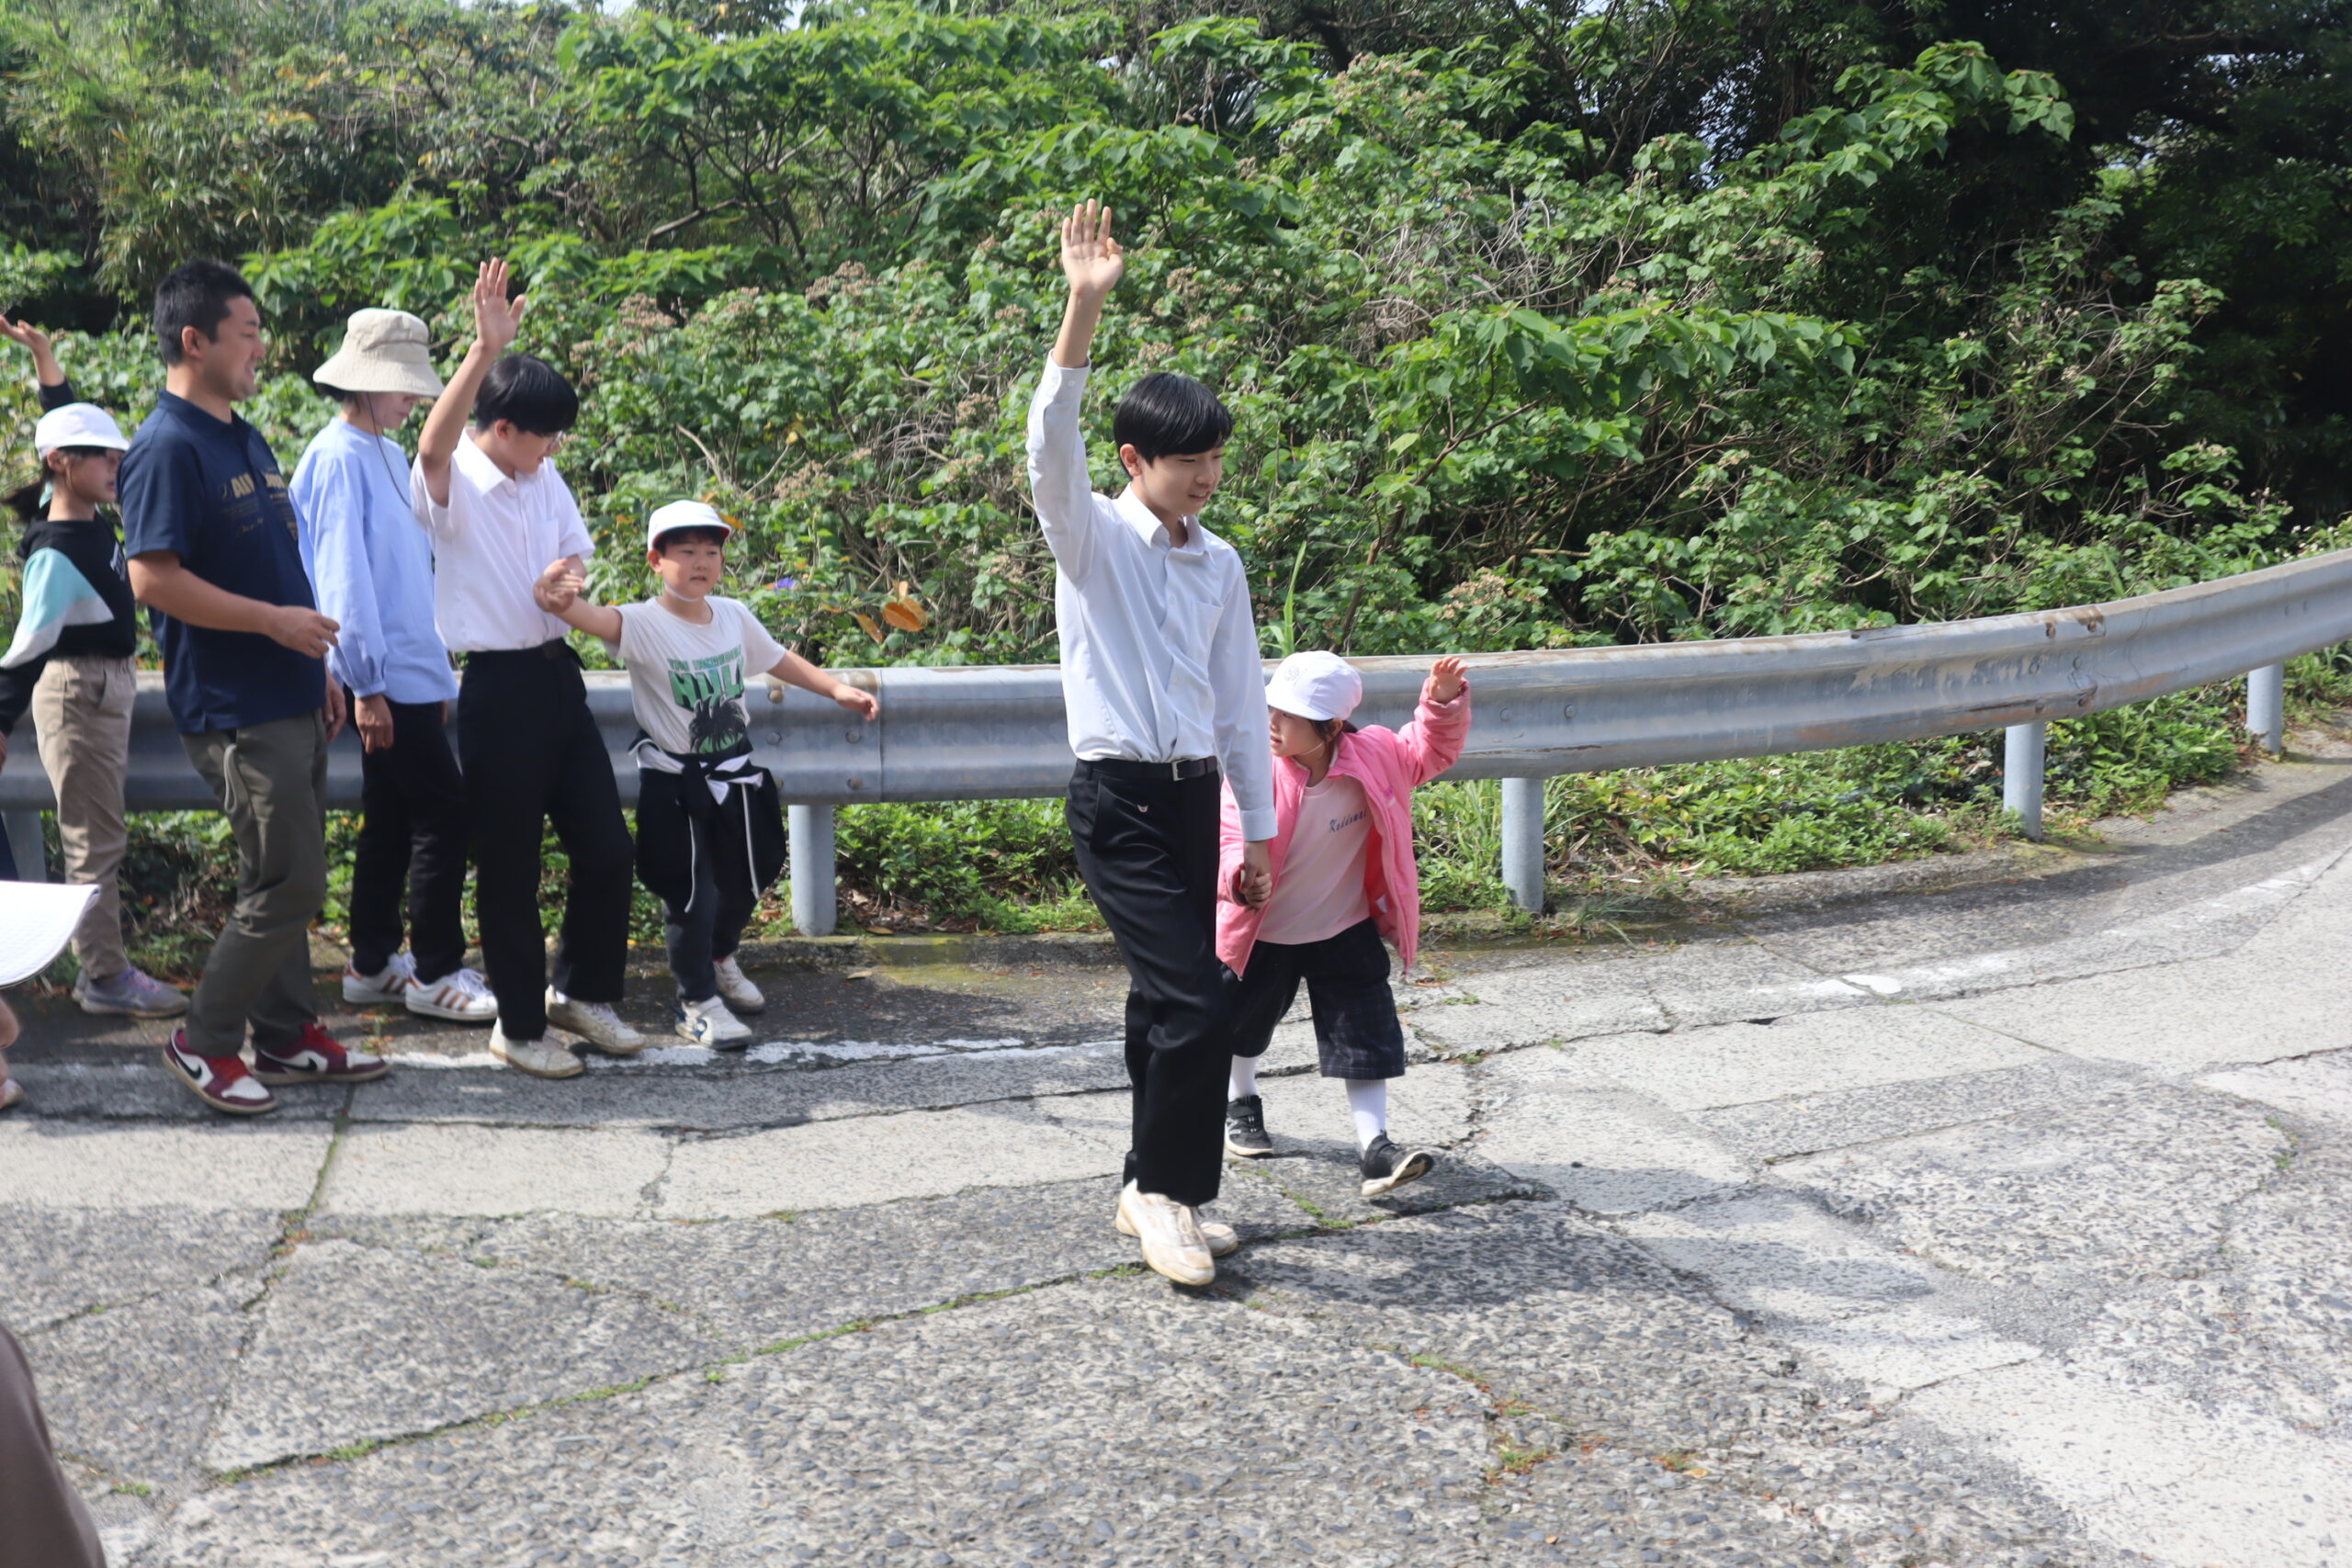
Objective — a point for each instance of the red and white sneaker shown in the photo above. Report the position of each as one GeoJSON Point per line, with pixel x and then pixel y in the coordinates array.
{"type": "Point", "coordinates": [222, 1082]}
{"type": "Point", "coordinates": [317, 1057]}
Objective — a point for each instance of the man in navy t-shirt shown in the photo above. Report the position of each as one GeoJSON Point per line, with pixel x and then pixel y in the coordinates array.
{"type": "Point", "coordinates": [215, 553]}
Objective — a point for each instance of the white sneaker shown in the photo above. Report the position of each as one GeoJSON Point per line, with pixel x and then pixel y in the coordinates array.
{"type": "Point", "coordinates": [1170, 1234]}
{"type": "Point", "coordinates": [391, 985]}
{"type": "Point", "coordinates": [542, 1058]}
{"type": "Point", "coordinates": [709, 1023]}
{"type": "Point", "coordinates": [1221, 1239]}
{"type": "Point", "coordinates": [461, 995]}
{"type": "Point", "coordinates": [595, 1023]}
{"type": "Point", "coordinates": [737, 988]}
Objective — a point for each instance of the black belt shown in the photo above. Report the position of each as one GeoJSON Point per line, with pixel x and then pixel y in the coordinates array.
{"type": "Point", "coordinates": [1128, 767]}
{"type": "Point", "coordinates": [557, 648]}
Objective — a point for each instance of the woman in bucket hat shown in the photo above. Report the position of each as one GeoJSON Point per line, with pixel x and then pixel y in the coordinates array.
{"type": "Point", "coordinates": [1343, 878]}
{"type": "Point", "coordinates": [372, 569]}
{"type": "Point", "coordinates": [71, 663]}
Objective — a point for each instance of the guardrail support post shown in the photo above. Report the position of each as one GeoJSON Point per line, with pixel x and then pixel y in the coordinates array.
{"type": "Point", "coordinates": [24, 843]}
{"type": "Point", "coordinates": [815, 908]}
{"type": "Point", "coordinates": [1523, 842]}
{"type": "Point", "coordinates": [2021, 775]}
{"type": "Point", "coordinates": [2266, 708]}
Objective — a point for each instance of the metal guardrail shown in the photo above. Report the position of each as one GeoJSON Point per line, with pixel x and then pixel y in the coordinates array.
{"type": "Point", "coordinates": [998, 732]}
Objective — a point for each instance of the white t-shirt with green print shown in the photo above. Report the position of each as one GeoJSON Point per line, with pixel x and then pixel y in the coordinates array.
{"type": "Point", "coordinates": [686, 681]}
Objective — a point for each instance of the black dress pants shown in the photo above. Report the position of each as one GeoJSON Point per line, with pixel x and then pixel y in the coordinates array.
{"type": "Point", "coordinates": [413, 831]}
{"type": "Point", "coordinates": [1147, 849]}
{"type": "Point", "coordinates": [533, 758]}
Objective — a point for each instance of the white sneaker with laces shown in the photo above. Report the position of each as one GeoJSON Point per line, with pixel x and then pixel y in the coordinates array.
{"type": "Point", "coordinates": [595, 1023]}
{"type": "Point", "coordinates": [1221, 1239]}
{"type": "Point", "coordinates": [1170, 1234]}
{"type": "Point", "coordinates": [542, 1058]}
{"type": "Point", "coordinates": [461, 995]}
{"type": "Point", "coordinates": [737, 988]}
{"type": "Point", "coordinates": [392, 985]}
{"type": "Point", "coordinates": [709, 1023]}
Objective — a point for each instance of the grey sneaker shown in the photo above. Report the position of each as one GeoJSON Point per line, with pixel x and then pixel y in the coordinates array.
{"type": "Point", "coordinates": [596, 1022]}
{"type": "Point", "coordinates": [131, 994]}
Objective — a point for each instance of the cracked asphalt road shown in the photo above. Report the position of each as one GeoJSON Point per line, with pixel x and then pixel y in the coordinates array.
{"type": "Point", "coordinates": [1998, 1220]}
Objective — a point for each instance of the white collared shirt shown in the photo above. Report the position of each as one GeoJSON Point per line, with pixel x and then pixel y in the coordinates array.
{"type": "Point", "coordinates": [489, 543]}
{"type": "Point", "coordinates": [1159, 654]}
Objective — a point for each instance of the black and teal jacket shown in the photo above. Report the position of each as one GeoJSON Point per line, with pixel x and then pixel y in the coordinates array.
{"type": "Point", "coordinates": [76, 598]}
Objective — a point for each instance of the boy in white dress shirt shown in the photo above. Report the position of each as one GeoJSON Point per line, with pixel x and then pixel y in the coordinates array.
{"type": "Point", "coordinates": [1162, 680]}
{"type": "Point", "coordinates": [498, 512]}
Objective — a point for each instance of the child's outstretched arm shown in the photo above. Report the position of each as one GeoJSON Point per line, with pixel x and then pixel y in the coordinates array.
{"type": "Point", "coordinates": [558, 592]}
{"type": "Point", "coordinates": [795, 671]}
{"type": "Point", "coordinates": [496, 321]}
{"type": "Point", "coordinates": [1441, 725]}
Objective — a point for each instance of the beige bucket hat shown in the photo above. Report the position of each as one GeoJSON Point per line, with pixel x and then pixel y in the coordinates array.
{"type": "Point", "coordinates": [383, 351]}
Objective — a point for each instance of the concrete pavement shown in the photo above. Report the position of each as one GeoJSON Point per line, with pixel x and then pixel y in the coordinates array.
{"type": "Point", "coordinates": [1996, 1220]}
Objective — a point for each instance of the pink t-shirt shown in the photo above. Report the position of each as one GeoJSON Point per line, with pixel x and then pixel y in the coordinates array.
{"type": "Point", "coordinates": [1321, 893]}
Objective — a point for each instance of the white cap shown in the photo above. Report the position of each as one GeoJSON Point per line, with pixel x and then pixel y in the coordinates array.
{"type": "Point", "coordinates": [679, 514]}
{"type": "Point", "coordinates": [77, 424]}
{"type": "Point", "coordinates": [383, 351]}
{"type": "Point", "coordinates": [1316, 685]}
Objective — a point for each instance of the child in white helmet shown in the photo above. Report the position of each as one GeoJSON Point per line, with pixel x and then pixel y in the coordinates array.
{"type": "Point", "coordinates": [1343, 878]}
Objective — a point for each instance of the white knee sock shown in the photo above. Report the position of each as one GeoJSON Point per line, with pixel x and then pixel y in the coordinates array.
{"type": "Point", "coordinates": [1244, 1082]}
{"type": "Point", "coordinates": [1368, 1098]}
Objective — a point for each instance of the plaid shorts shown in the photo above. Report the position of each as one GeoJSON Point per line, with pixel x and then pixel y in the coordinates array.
{"type": "Point", "coordinates": [1356, 1031]}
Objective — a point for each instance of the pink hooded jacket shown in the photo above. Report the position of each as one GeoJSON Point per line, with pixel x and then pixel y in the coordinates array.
{"type": "Point", "coordinates": [1390, 765]}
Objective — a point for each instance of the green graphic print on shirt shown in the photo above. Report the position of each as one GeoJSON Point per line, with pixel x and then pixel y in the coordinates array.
{"type": "Point", "coordinates": [711, 692]}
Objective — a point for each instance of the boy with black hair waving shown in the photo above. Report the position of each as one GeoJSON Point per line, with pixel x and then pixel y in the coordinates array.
{"type": "Point", "coordinates": [1161, 677]}
{"type": "Point", "coordinates": [526, 741]}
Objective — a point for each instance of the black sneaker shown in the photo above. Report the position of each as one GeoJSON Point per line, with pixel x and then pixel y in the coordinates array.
{"type": "Point", "coordinates": [1387, 1166]}
{"type": "Point", "coordinates": [1245, 1129]}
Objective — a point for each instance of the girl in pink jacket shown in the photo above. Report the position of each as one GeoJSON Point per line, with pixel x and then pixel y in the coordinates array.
{"type": "Point", "coordinates": [1342, 878]}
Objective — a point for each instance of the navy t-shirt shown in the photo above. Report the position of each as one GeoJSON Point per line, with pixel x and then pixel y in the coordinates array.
{"type": "Point", "coordinates": [211, 493]}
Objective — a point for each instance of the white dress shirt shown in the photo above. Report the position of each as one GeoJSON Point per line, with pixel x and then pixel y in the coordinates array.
{"type": "Point", "coordinates": [1159, 655]}
{"type": "Point", "coordinates": [489, 543]}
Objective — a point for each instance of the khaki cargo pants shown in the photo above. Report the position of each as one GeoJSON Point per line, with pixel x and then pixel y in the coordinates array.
{"type": "Point", "coordinates": [81, 710]}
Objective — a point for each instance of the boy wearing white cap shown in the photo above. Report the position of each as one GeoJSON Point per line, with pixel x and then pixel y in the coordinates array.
{"type": "Point", "coordinates": [1343, 878]}
{"type": "Point", "coordinates": [372, 568]}
{"type": "Point", "coordinates": [709, 827]}
{"type": "Point", "coordinates": [70, 662]}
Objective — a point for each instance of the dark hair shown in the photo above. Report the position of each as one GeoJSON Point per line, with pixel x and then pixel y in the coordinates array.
{"type": "Point", "coordinates": [528, 393]}
{"type": "Point", "coordinates": [195, 294]}
{"type": "Point", "coordinates": [703, 535]}
{"type": "Point", "coordinates": [1170, 415]}
{"type": "Point", "coordinates": [1330, 730]}
{"type": "Point", "coordinates": [25, 499]}
{"type": "Point", "coordinates": [337, 393]}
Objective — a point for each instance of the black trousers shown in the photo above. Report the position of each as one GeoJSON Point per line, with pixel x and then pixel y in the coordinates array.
{"type": "Point", "coordinates": [1147, 849]}
{"type": "Point", "coordinates": [533, 758]}
{"type": "Point", "coordinates": [412, 832]}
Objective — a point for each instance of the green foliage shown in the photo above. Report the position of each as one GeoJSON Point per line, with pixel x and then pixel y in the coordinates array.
{"type": "Point", "coordinates": [1545, 325]}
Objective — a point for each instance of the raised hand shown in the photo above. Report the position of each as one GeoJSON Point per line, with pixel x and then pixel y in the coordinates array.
{"type": "Point", "coordinates": [496, 318]}
{"type": "Point", "coordinates": [35, 341]}
{"type": "Point", "coordinates": [1091, 259]}
{"type": "Point", "coordinates": [1445, 678]}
